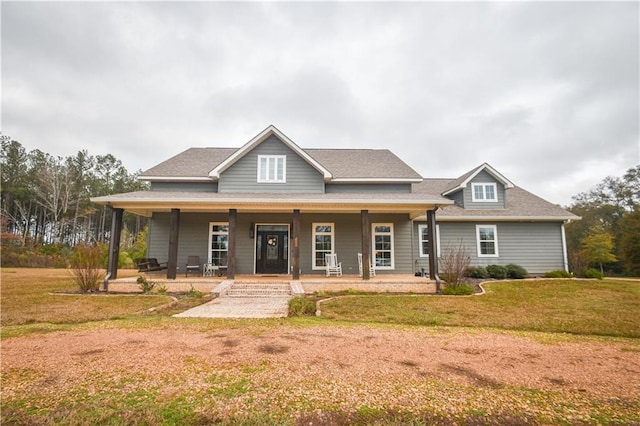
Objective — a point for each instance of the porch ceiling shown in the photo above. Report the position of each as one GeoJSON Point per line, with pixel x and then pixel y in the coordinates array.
{"type": "Point", "coordinates": [146, 202]}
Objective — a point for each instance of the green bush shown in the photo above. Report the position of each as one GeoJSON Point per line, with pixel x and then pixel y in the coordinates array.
{"type": "Point", "coordinates": [516, 272]}
{"type": "Point", "coordinates": [145, 285]}
{"type": "Point", "coordinates": [301, 306]}
{"type": "Point", "coordinates": [593, 273]}
{"type": "Point", "coordinates": [458, 290]}
{"type": "Point", "coordinates": [497, 271]}
{"type": "Point", "coordinates": [477, 272]}
{"type": "Point", "coordinates": [558, 274]}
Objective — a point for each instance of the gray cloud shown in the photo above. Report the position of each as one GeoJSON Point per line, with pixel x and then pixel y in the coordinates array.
{"type": "Point", "coordinates": [546, 92]}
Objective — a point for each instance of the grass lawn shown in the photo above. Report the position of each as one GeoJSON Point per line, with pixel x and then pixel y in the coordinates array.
{"type": "Point", "coordinates": [591, 307]}
{"type": "Point", "coordinates": [114, 363]}
{"type": "Point", "coordinates": [36, 296]}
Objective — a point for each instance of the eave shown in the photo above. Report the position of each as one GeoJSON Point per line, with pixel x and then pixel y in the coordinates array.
{"type": "Point", "coordinates": [306, 204]}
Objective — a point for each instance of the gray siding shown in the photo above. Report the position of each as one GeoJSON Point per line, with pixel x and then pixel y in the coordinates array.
{"type": "Point", "coordinates": [484, 177]}
{"type": "Point", "coordinates": [194, 238]}
{"type": "Point", "coordinates": [185, 186]}
{"type": "Point", "coordinates": [242, 176]}
{"type": "Point", "coordinates": [535, 246]}
{"type": "Point", "coordinates": [368, 188]}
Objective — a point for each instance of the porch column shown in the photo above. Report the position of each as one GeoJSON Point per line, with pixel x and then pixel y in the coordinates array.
{"type": "Point", "coordinates": [433, 247]}
{"type": "Point", "coordinates": [366, 244]}
{"type": "Point", "coordinates": [296, 245]}
{"type": "Point", "coordinates": [174, 232]}
{"type": "Point", "coordinates": [114, 246]}
{"type": "Point", "coordinates": [231, 250]}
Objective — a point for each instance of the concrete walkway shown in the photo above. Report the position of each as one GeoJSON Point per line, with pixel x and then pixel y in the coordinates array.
{"type": "Point", "coordinates": [245, 300]}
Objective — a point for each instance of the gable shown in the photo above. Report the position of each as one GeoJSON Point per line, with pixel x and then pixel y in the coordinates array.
{"type": "Point", "coordinates": [463, 181]}
{"type": "Point", "coordinates": [256, 141]}
{"type": "Point", "coordinates": [298, 176]}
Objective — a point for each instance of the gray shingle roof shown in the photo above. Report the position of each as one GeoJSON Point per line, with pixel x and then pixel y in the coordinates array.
{"type": "Point", "coordinates": [342, 163]}
{"type": "Point", "coordinates": [194, 162]}
{"type": "Point", "coordinates": [520, 204]}
{"type": "Point", "coordinates": [363, 163]}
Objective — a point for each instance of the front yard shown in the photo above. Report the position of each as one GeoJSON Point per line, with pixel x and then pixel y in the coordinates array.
{"type": "Point", "coordinates": [382, 360]}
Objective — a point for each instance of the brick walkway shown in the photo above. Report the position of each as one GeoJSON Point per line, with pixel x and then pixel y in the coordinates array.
{"type": "Point", "coordinates": [241, 307]}
{"type": "Point", "coordinates": [245, 300]}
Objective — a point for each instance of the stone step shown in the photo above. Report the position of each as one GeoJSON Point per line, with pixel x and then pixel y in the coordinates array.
{"type": "Point", "coordinates": [246, 289]}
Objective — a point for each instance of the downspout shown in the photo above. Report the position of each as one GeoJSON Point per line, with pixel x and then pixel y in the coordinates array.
{"type": "Point", "coordinates": [433, 247]}
{"type": "Point", "coordinates": [565, 257]}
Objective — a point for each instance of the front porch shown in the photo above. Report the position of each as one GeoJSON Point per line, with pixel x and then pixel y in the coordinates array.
{"type": "Point", "coordinates": [310, 284]}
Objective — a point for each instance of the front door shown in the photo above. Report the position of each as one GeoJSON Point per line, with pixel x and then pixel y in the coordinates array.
{"type": "Point", "coordinates": [272, 249]}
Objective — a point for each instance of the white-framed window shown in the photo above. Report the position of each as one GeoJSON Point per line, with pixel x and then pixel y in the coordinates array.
{"type": "Point", "coordinates": [487, 239]}
{"type": "Point", "coordinates": [382, 236]}
{"type": "Point", "coordinates": [218, 243]}
{"type": "Point", "coordinates": [272, 168]}
{"type": "Point", "coordinates": [484, 192]}
{"type": "Point", "coordinates": [423, 240]}
{"type": "Point", "coordinates": [323, 243]}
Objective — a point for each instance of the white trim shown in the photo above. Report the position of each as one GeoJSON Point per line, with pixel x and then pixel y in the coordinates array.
{"type": "Point", "coordinates": [373, 244]}
{"type": "Point", "coordinates": [420, 228]}
{"type": "Point", "coordinates": [209, 249]}
{"type": "Point", "coordinates": [272, 160]}
{"type": "Point", "coordinates": [174, 178]}
{"type": "Point", "coordinates": [313, 242]}
{"type": "Point", "coordinates": [502, 218]}
{"type": "Point", "coordinates": [493, 172]}
{"type": "Point", "coordinates": [261, 137]}
{"type": "Point", "coordinates": [484, 198]}
{"type": "Point", "coordinates": [495, 240]}
{"type": "Point", "coordinates": [376, 180]}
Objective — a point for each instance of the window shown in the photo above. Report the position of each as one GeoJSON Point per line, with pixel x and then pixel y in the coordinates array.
{"type": "Point", "coordinates": [218, 243]}
{"type": "Point", "coordinates": [383, 245]}
{"type": "Point", "coordinates": [322, 243]}
{"type": "Point", "coordinates": [484, 192]}
{"type": "Point", "coordinates": [272, 168]}
{"type": "Point", "coordinates": [487, 237]}
{"type": "Point", "coordinates": [423, 240]}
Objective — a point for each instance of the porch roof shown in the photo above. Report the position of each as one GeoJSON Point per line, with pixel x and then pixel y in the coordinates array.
{"type": "Point", "coordinates": [144, 203]}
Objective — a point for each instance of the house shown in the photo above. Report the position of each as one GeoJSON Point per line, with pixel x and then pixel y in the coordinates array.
{"type": "Point", "coordinates": [272, 207]}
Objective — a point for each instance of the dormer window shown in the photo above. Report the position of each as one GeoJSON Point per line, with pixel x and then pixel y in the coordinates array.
{"type": "Point", "coordinates": [272, 168]}
{"type": "Point", "coordinates": [484, 192]}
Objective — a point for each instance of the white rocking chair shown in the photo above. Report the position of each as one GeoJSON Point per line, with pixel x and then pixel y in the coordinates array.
{"type": "Point", "coordinates": [332, 264]}
{"type": "Point", "coordinates": [372, 266]}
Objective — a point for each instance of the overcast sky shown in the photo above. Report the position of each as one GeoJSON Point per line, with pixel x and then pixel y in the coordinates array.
{"type": "Point", "coordinates": [545, 92]}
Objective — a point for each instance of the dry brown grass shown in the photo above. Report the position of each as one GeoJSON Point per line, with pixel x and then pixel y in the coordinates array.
{"type": "Point", "coordinates": [31, 295]}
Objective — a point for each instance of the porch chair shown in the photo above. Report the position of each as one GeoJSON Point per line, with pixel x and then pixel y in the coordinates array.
{"type": "Point", "coordinates": [372, 266]}
{"type": "Point", "coordinates": [193, 265]}
{"type": "Point", "coordinates": [332, 264]}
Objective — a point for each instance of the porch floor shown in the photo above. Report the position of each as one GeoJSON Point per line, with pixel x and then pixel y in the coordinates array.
{"type": "Point", "coordinates": [387, 283]}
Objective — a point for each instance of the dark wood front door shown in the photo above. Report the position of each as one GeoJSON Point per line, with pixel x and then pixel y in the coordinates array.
{"type": "Point", "coordinates": [272, 249]}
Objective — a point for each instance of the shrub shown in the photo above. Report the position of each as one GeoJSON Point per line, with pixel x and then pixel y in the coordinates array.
{"type": "Point", "coordinates": [145, 285]}
{"type": "Point", "coordinates": [558, 274]}
{"type": "Point", "coordinates": [497, 271]}
{"type": "Point", "coordinates": [86, 265]}
{"type": "Point", "coordinates": [301, 306]}
{"type": "Point", "coordinates": [453, 265]}
{"type": "Point", "coordinates": [194, 293]}
{"type": "Point", "coordinates": [458, 290]}
{"type": "Point", "coordinates": [516, 272]}
{"type": "Point", "coordinates": [477, 272]}
{"type": "Point", "coordinates": [593, 273]}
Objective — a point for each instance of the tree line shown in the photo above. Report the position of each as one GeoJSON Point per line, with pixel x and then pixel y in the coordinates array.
{"type": "Point", "coordinates": [45, 198]}
{"type": "Point", "coordinates": [608, 236]}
